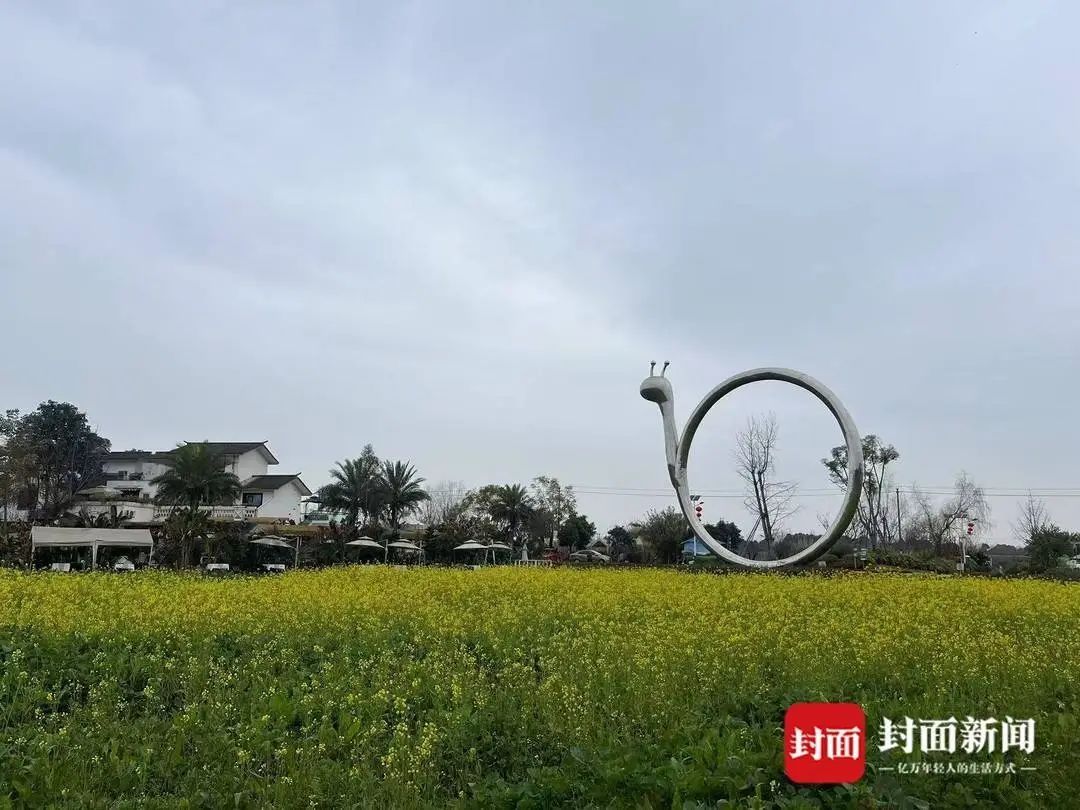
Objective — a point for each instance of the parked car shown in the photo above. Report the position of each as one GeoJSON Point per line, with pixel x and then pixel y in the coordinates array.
{"type": "Point", "coordinates": [590, 555]}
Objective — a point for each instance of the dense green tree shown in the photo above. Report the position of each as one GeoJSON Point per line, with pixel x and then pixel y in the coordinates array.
{"type": "Point", "coordinates": [619, 540]}
{"type": "Point", "coordinates": [726, 533]}
{"type": "Point", "coordinates": [183, 528]}
{"type": "Point", "coordinates": [553, 504]}
{"type": "Point", "coordinates": [49, 454]}
{"type": "Point", "coordinates": [10, 463]}
{"type": "Point", "coordinates": [1048, 545]}
{"type": "Point", "coordinates": [794, 542]}
{"type": "Point", "coordinates": [663, 533]}
{"type": "Point", "coordinates": [576, 532]}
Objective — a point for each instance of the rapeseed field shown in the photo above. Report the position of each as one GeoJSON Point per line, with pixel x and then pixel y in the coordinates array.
{"type": "Point", "coordinates": [386, 687]}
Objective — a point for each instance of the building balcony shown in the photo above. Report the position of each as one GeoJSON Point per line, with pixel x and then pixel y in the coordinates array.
{"type": "Point", "coordinates": [237, 513]}
{"type": "Point", "coordinates": [146, 512]}
{"type": "Point", "coordinates": [137, 511]}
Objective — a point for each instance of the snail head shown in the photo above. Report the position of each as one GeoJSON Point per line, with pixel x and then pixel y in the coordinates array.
{"type": "Point", "coordinates": [656, 387]}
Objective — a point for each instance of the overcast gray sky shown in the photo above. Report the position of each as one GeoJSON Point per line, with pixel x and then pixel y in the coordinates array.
{"type": "Point", "coordinates": [460, 231]}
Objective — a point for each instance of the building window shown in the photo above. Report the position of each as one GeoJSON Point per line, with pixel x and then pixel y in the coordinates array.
{"type": "Point", "coordinates": [252, 499]}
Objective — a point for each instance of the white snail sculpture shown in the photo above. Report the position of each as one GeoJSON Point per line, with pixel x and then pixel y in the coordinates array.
{"type": "Point", "coordinates": [657, 388]}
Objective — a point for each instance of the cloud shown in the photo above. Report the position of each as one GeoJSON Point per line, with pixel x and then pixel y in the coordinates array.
{"type": "Point", "coordinates": [461, 232]}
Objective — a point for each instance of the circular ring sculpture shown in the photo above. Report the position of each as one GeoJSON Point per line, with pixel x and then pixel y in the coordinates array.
{"type": "Point", "coordinates": [657, 388]}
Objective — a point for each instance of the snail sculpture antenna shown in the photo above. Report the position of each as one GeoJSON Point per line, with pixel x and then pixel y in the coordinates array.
{"type": "Point", "coordinates": [657, 388]}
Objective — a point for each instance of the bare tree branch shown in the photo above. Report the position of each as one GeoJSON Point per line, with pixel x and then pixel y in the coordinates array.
{"type": "Point", "coordinates": [1033, 519]}
{"type": "Point", "coordinates": [755, 462]}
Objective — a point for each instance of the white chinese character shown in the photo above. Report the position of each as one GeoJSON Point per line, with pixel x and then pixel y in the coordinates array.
{"type": "Point", "coordinates": [937, 735]}
{"type": "Point", "coordinates": [977, 735]}
{"type": "Point", "coordinates": [900, 736]}
{"type": "Point", "coordinates": [1017, 734]}
{"type": "Point", "coordinates": [842, 743]}
{"type": "Point", "coordinates": [803, 744]}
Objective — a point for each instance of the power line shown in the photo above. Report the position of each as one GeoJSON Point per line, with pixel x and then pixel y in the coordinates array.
{"type": "Point", "coordinates": [989, 492]}
{"type": "Point", "coordinates": [666, 492]}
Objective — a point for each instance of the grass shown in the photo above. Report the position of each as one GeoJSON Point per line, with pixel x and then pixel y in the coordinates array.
{"type": "Point", "coordinates": [385, 687]}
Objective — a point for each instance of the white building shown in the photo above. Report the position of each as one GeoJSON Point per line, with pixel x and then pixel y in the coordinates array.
{"type": "Point", "coordinates": [264, 495]}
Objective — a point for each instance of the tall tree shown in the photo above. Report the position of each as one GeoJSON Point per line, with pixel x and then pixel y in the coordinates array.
{"type": "Point", "coordinates": [183, 527]}
{"type": "Point", "coordinates": [356, 488]}
{"type": "Point", "coordinates": [512, 507]}
{"type": "Point", "coordinates": [444, 501]}
{"type": "Point", "coordinates": [554, 504]}
{"type": "Point", "coordinates": [663, 533]}
{"type": "Point", "coordinates": [197, 477]}
{"type": "Point", "coordinates": [1048, 545]}
{"type": "Point", "coordinates": [769, 500]}
{"type": "Point", "coordinates": [577, 532]}
{"type": "Point", "coordinates": [451, 519]}
{"type": "Point", "coordinates": [874, 506]}
{"type": "Point", "coordinates": [619, 540]}
{"type": "Point", "coordinates": [727, 533]}
{"type": "Point", "coordinates": [57, 453]}
{"type": "Point", "coordinates": [402, 491]}
{"type": "Point", "coordinates": [10, 463]}
{"type": "Point", "coordinates": [937, 525]}
{"type": "Point", "coordinates": [482, 506]}
{"type": "Point", "coordinates": [1032, 520]}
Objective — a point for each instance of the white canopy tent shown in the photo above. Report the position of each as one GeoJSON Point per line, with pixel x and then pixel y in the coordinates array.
{"type": "Point", "coordinates": [55, 536]}
{"type": "Point", "coordinates": [271, 540]}
{"type": "Point", "coordinates": [403, 545]}
{"type": "Point", "coordinates": [366, 542]}
{"type": "Point", "coordinates": [474, 545]}
{"type": "Point", "coordinates": [470, 545]}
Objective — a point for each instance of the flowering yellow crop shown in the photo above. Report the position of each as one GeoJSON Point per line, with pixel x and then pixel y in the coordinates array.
{"type": "Point", "coordinates": [407, 687]}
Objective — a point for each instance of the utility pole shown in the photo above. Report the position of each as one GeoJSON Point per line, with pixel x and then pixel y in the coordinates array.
{"type": "Point", "coordinates": [899, 523]}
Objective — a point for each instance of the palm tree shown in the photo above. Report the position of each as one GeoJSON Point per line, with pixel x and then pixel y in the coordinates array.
{"type": "Point", "coordinates": [184, 527]}
{"type": "Point", "coordinates": [356, 488]}
{"type": "Point", "coordinates": [402, 492]}
{"type": "Point", "coordinates": [196, 478]}
{"type": "Point", "coordinates": [113, 519]}
{"type": "Point", "coordinates": [512, 505]}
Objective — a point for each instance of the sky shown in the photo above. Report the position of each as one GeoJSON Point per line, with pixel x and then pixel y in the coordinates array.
{"type": "Point", "coordinates": [460, 232]}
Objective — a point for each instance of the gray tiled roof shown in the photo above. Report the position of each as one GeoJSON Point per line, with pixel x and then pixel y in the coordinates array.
{"type": "Point", "coordinates": [136, 455]}
{"type": "Point", "coordinates": [272, 482]}
{"type": "Point", "coordinates": [232, 448]}
{"type": "Point", "coordinates": [215, 448]}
